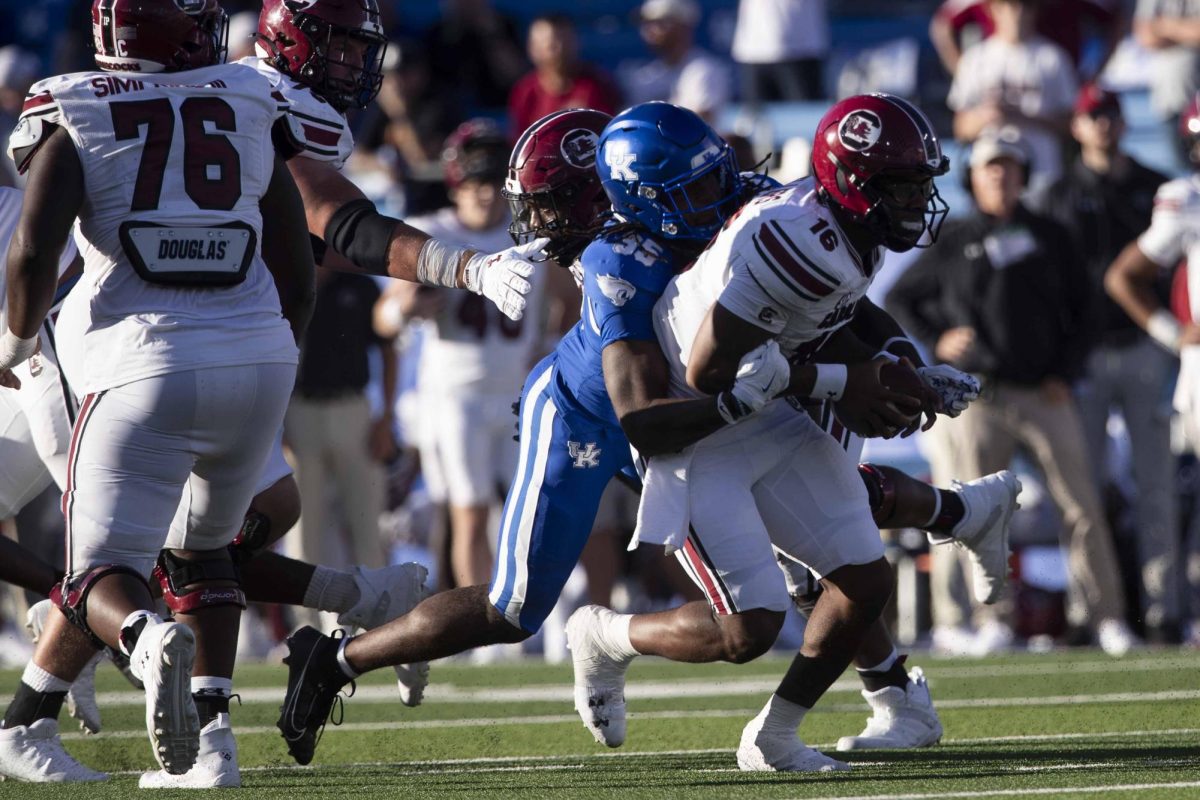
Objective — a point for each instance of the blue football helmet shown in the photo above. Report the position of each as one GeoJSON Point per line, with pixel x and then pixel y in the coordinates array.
{"type": "Point", "coordinates": [665, 168]}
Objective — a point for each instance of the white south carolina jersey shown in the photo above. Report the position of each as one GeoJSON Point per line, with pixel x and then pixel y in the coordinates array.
{"type": "Point", "coordinates": [780, 263]}
{"type": "Point", "coordinates": [1174, 232]}
{"type": "Point", "coordinates": [174, 167]}
{"type": "Point", "coordinates": [319, 128]}
{"type": "Point", "coordinates": [470, 346]}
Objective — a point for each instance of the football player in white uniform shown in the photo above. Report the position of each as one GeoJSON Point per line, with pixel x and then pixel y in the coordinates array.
{"type": "Point", "coordinates": [187, 360]}
{"type": "Point", "coordinates": [794, 265]}
{"type": "Point", "coordinates": [1174, 234]}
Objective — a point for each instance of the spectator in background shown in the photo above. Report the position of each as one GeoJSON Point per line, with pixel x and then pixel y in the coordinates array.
{"type": "Point", "coordinates": [1173, 234]}
{"type": "Point", "coordinates": [1105, 200]}
{"type": "Point", "coordinates": [559, 79]}
{"type": "Point", "coordinates": [406, 125]}
{"type": "Point", "coordinates": [472, 359]}
{"type": "Point", "coordinates": [19, 68]}
{"type": "Point", "coordinates": [780, 47]}
{"type": "Point", "coordinates": [336, 442]}
{"type": "Point", "coordinates": [1015, 77]}
{"type": "Point", "coordinates": [682, 73]}
{"type": "Point", "coordinates": [1003, 295]}
{"type": "Point", "coordinates": [475, 54]}
{"type": "Point", "coordinates": [957, 24]}
{"type": "Point", "coordinates": [1171, 28]}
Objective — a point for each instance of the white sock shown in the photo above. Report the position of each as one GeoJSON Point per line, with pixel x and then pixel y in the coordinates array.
{"type": "Point", "coordinates": [209, 684]}
{"type": "Point", "coordinates": [343, 664]}
{"type": "Point", "coordinates": [937, 507]}
{"type": "Point", "coordinates": [616, 636]}
{"type": "Point", "coordinates": [885, 665]}
{"type": "Point", "coordinates": [39, 680]}
{"type": "Point", "coordinates": [782, 716]}
{"type": "Point", "coordinates": [331, 590]}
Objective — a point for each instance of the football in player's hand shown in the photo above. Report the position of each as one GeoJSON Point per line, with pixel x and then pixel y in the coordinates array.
{"type": "Point", "coordinates": [905, 380]}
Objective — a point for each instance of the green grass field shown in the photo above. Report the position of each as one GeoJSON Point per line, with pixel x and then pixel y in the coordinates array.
{"type": "Point", "coordinates": [1048, 726]}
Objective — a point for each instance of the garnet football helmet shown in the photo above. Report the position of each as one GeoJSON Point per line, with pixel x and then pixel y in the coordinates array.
{"type": "Point", "coordinates": [665, 168]}
{"type": "Point", "coordinates": [875, 157]}
{"type": "Point", "coordinates": [553, 188]}
{"type": "Point", "coordinates": [334, 47]}
{"type": "Point", "coordinates": [158, 35]}
{"type": "Point", "coordinates": [476, 149]}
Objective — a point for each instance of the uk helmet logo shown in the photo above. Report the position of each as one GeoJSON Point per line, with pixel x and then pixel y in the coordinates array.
{"type": "Point", "coordinates": [579, 148]}
{"type": "Point", "coordinates": [859, 130]}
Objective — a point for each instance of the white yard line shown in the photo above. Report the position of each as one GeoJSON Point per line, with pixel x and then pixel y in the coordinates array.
{"type": "Point", "coordinates": [697, 687]}
{"type": "Point", "coordinates": [1064, 790]}
{"type": "Point", "coordinates": [557, 719]}
{"type": "Point", "coordinates": [558, 693]}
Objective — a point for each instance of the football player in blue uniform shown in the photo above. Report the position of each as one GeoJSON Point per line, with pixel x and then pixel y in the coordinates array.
{"type": "Point", "coordinates": [671, 182]}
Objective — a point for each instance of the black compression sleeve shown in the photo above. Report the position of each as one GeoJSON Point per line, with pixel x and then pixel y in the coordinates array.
{"type": "Point", "coordinates": [361, 234]}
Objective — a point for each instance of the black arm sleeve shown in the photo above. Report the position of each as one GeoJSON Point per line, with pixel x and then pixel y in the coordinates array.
{"type": "Point", "coordinates": [362, 235]}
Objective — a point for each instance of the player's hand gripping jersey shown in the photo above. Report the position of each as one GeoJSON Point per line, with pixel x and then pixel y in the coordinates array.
{"type": "Point", "coordinates": [174, 165]}
{"type": "Point", "coordinates": [781, 263]}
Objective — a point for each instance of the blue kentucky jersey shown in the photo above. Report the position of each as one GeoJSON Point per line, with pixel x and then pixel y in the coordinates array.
{"type": "Point", "coordinates": [624, 273]}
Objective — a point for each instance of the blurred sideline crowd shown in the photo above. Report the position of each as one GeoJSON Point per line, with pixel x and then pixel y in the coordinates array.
{"type": "Point", "coordinates": [399, 427]}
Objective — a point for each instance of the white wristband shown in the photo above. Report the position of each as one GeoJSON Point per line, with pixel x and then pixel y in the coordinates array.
{"type": "Point", "coordinates": [14, 349]}
{"type": "Point", "coordinates": [830, 382]}
{"type": "Point", "coordinates": [1165, 329]}
{"type": "Point", "coordinates": [437, 264]}
{"type": "Point", "coordinates": [895, 359]}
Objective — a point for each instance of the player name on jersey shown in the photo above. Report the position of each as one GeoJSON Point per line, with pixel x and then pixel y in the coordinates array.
{"type": "Point", "coordinates": [185, 254]}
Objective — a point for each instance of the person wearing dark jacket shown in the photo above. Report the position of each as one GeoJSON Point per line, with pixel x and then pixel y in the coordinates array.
{"type": "Point", "coordinates": [1003, 295]}
{"type": "Point", "coordinates": [1105, 200]}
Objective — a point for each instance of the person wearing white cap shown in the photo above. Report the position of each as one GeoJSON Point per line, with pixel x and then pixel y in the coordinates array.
{"type": "Point", "coordinates": [1004, 295]}
{"type": "Point", "coordinates": [683, 73]}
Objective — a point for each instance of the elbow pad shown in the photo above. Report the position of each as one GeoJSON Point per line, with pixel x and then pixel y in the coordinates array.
{"type": "Point", "coordinates": [361, 234]}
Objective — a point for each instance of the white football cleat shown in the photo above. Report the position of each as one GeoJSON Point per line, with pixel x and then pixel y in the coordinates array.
{"type": "Point", "coordinates": [1115, 638]}
{"type": "Point", "coordinates": [599, 676]}
{"type": "Point", "coordinates": [412, 679]}
{"type": "Point", "coordinates": [216, 766]}
{"type": "Point", "coordinates": [81, 697]}
{"type": "Point", "coordinates": [383, 595]}
{"type": "Point", "coordinates": [903, 718]}
{"type": "Point", "coordinates": [35, 754]}
{"type": "Point", "coordinates": [761, 751]}
{"type": "Point", "coordinates": [162, 661]}
{"type": "Point", "coordinates": [983, 531]}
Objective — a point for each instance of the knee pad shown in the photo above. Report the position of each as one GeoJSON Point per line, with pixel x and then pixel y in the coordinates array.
{"type": "Point", "coordinates": [187, 585]}
{"type": "Point", "coordinates": [252, 539]}
{"type": "Point", "coordinates": [881, 492]}
{"type": "Point", "coordinates": [71, 595]}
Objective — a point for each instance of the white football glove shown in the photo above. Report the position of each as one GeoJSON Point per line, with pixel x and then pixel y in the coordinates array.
{"type": "Point", "coordinates": [503, 277]}
{"type": "Point", "coordinates": [956, 388]}
{"type": "Point", "coordinates": [762, 374]}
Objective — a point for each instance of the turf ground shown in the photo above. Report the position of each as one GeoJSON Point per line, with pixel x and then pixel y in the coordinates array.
{"type": "Point", "coordinates": [1048, 726]}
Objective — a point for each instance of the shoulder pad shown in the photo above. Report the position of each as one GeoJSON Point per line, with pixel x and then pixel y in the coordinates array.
{"type": "Point", "coordinates": [28, 137]}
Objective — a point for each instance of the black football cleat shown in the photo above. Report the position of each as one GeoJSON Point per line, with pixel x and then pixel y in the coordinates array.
{"type": "Point", "coordinates": [314, 683]}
